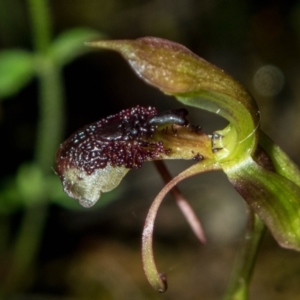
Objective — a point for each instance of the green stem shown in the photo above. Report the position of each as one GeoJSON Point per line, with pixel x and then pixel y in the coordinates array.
{"type": "Point", "coordinates": [48, 136]}
{"type": "Point", "coordinates": [51, 112]}
{"type": "Point", "coordinates": [49, 133]}
{"type": "Point", "coordinates": [239, 282]}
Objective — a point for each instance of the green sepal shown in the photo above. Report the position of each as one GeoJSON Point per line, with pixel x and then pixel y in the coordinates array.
{"type": "Point", "coordinates": [177, 71]}
{"type": "Point", "coordinates": [274, 198]}
{"type": "Point", "coordinates": [281, 162]}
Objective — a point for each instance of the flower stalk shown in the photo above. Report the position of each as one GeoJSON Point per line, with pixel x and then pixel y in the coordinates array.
{"type": "Point", "coordinates": [238, 286]}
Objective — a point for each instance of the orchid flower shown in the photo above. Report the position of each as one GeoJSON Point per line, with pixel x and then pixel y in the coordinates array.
{"type": "Point", "coordinates": [96, 158]}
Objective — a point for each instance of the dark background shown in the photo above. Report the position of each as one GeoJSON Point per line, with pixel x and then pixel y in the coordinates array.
{"type": "Point", "coordinates": [95, 254]}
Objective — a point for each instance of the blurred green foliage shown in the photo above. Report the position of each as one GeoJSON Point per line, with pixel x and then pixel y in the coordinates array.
{"type": "Point", "coordinates": [17, 68]}
{"type": "Point", "coordinates": [34, 186]}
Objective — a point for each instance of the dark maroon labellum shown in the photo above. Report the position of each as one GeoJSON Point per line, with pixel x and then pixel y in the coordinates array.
{"type": "Point", "coordinates": [96, 158]}
{"type": "Point", "coordinates": [118, 140]}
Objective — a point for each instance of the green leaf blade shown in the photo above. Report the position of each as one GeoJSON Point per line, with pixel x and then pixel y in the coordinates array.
{"type": "Point", "coordinates": [16, 70]}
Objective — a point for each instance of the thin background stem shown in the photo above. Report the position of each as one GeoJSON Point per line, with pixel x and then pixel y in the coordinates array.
{"type": "Point", "coordinates": [40, 24]}
{"type": "Point", "coordinates": [49, 133]}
